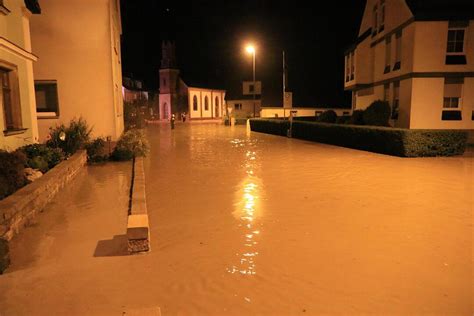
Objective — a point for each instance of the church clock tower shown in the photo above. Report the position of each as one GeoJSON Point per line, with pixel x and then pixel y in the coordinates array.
{"type": "Point", "coordinates": [169, 81]}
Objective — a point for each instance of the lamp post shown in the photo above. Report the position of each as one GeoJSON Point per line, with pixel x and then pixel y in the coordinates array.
{"type": "Point", "coordinates": [251, 50]}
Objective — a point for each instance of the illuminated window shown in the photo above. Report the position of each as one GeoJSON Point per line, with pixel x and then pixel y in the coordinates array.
{"type": "Point", "coordinates": [206, 103]}
{"type": "Point", "coordinates": [46, 93]}
{"type": "Point", "coordinates": [195, 103]}
{"type": "Point", "coordinates": [9, 99]}
{"type": "Point", "coordinates": [238, 106]}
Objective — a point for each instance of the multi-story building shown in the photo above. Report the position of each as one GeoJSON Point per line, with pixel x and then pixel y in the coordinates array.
{"type": "Point", "coordinates": [247, 102]}
{"type": "Point", "coordinates": [133, 90]}
{"type": "Point", "coordinates": [419, 56]}
{"type": "Point", "coordinates": [78, 73]}
{"type": "Point", "coordinates": [17, 95]}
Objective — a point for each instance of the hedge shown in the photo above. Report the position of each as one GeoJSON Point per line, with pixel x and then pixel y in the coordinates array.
{"type": "Point", "coordinates": [385, 140]}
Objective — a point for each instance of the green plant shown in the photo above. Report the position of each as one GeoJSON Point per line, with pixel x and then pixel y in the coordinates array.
{"type": "Point", "coordinates": [384, 140]}
{"type": "Point", "coordinates": [328, 116]}
{"type": "Point", "coordinates": [95, 150]}
{"type": "Point", "coordinates": [70, 138]}
{"type": "Point", "coordinates": [42, 157]}
{"type": "Point", "coordinates": [377, 114]}
{"type": "Point", "coordinates": [12, 175]}
{"type": "Point", "coordinates": [357, 118]}
{"type": "Point", "coordinates": [132, 143]}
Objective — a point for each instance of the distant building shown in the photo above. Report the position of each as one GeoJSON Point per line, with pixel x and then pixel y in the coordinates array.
{"type": "Point", "coordinates": [419, 56]}
{"type": "Point", "coordinates": [240, 102]}
{"type": "Point", "coordinates": [133, 90]}
{"type": "Point", "coordinates": [176, 97]}
{"type": "Point", "coordinates": [285, 112]}
{"type": "Point", "coordinates": [79, 68]}
{"type": "Point", "coordinates": [18, 125]}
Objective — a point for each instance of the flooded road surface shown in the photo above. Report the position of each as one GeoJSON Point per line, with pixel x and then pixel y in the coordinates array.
{"type": "Point", "coordinates": [245, 223]}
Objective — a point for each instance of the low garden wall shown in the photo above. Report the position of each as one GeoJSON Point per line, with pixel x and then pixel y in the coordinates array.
{"type": "Point", "coordinates": [20, 208]}
{"type": "Point", "coordinates": [384, 140]}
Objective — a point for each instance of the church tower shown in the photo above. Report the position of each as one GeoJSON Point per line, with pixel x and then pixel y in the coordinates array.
{"type": "Point", "coordinates": [169, 81]}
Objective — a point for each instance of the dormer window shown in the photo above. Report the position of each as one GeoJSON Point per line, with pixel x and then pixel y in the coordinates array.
{"type": "Point", "coordinates": [455, 49]}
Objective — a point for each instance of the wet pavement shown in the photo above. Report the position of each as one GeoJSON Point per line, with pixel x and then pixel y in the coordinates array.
{"type": "Point", "coordinates": [245, 223]}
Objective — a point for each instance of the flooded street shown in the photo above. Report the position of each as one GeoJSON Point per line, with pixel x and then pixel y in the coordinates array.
{"type": "Point", "coordinates": [245, 223]}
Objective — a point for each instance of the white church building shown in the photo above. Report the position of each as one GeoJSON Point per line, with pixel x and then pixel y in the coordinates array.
{"type": "Point", "coordinates": [176, 97]}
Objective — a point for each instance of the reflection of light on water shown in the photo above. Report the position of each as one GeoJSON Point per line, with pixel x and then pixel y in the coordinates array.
{"type": "Point", "coordinates": [246, 211]}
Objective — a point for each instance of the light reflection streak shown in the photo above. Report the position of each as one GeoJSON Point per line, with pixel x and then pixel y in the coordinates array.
{"type": "Point", "coordinates": [247, 210]}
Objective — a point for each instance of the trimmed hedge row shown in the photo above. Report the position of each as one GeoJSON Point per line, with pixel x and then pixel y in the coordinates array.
{"type": "Point", "coordinates": [385, 140]}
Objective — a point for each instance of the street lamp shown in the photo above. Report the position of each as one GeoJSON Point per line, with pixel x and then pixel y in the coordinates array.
{"type": "Point", "coordinates": [251, 50]}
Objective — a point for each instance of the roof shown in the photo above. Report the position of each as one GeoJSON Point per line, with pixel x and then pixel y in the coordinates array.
{"type": "Point", "coordinates": [33, 6]}
{"type": "Point", "coordinates": [436, 10]}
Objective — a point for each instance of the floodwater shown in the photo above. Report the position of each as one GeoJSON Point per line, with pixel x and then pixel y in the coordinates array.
{"type": "Point", "coordinates": [245, 223]}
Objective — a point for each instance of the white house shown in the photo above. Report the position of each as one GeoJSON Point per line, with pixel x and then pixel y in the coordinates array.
{"type": "Point", "coordinates": [419, 56]}
{"type": "Point", "coordinates": [78, 72]}
{"type": "Point", "coordinates": [246, 101]}
{"type": "Point", "coordinates": [18, 125]}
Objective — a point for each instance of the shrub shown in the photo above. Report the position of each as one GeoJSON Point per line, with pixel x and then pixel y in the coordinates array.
{"type": "Point", "coordinates": [328, 116]}
{"type": "Point", "coordinates": [134, 114]}
{"type": "Point", "coordinates": [391, 141]}
{"type": "Point", "coordinates": [357, 118]}
{"type": "Point", "coordinates": [77, 135]}
{"type": "Point", "coordinates": [42, 157]}
{"type": "Point", "coordinates": [95, 150]}
{"type": "Point", "coordinates": [131, 144]}
{"type": "Point", "coordinates": [344, 119]}
{"type": "Point", "coordinates": [12, 175]}
{"type": "Point", "coordinates": [377, 114]}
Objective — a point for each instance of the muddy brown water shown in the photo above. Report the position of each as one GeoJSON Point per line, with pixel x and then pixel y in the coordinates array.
{"type": "Point", "coordinates": [245, 223]}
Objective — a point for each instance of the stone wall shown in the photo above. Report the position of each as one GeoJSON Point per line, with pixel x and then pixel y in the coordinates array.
{"type": "Point", "coordinates": [20, 208]}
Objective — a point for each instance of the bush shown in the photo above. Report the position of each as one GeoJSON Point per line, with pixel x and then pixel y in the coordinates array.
{"type": "Point", "coordinates": [328, 116]}
{"type": "Point", "coordinates": [42, 157]}
{"type": "Point", "coordinates": [357, 118]}
{"type": "Point", "coordinates": [377, 114]}
{"type": "Point", "coordinates": [12, 176]}
{"type": "Point", "coordinates": [95, 150]}
{"type": "Point", "coordinates": [391, 141]}
{"type": "Point", "coordinates": [344, 119]}
{"type": "Point", "coordinates": [77, 135]}
{"type": "Point", "coordinates": [131, 144]}
{"type": "Point", "coordinates": [134, 114]}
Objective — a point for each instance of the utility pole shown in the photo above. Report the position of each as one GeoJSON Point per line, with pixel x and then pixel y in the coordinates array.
{"type": "Point", "coordinates": [284, 85]}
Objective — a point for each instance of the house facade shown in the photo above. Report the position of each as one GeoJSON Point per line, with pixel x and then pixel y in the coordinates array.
{"type": "Point", "coordinates": [133, 91]}
{"type": "Point", "coordinates": [419, 56]}
{"type": "Point", "coordinates": [17, 95]}
{"type": "Point", "coordinates": [242, 103]}
{"type": "Point", "coordinates": [78, 73]}
{"type": "Point", "coordinates": [176, 97]}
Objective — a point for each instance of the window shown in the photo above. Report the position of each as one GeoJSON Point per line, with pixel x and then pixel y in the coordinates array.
{"type": "Point", "coordinates": [452, 101]}
{"type": "Point", "coordinates": [388, 49]}
{"type": "Point", "coordinates": [374, 20]}
{"type": "Point", "coordinates": [251, 88]}
{"type": "Point", "coordinates": [398, 50]}
{"type": "Point", "coordinates": [238, 106]}
{"type": "Point", "coordinates": [195, 103]}
{"type": "Point", "coordinates": [206, 103]}
{"type": "Point", "coordinates": [216, 103]}
{"type": "Point", "coordinates": [352, 66]}
{"type": "Point", "coordinates": [10, 100]}
{"type": "Point", "coordinates": [396, 100]}
{"type": "Point", "coordinates": [382, 15]}
{"type": "Point", "coordinates": [452, 93]}
{"type": "Point", "coordinates": [348, 67]}
{"type": "Point", "coordinates": [455, 48]}
{"type": "Point", "coordinates": [164, 82]}
{"type": "Point", "coordinates": [386, 92]}
{"type": "Point", "coordinates": [46, 93]}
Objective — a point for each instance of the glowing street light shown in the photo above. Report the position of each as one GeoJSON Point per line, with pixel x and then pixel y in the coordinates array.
{"type": "Point", "coordinates": [251, 50]}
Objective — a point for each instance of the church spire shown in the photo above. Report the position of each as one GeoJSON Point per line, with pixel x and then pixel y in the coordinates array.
{"type": "Point", "coordinates": [168, 55]}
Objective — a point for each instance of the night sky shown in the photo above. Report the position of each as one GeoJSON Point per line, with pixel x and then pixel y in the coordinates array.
{"type": "Point", "coordinates": [210, 38]}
